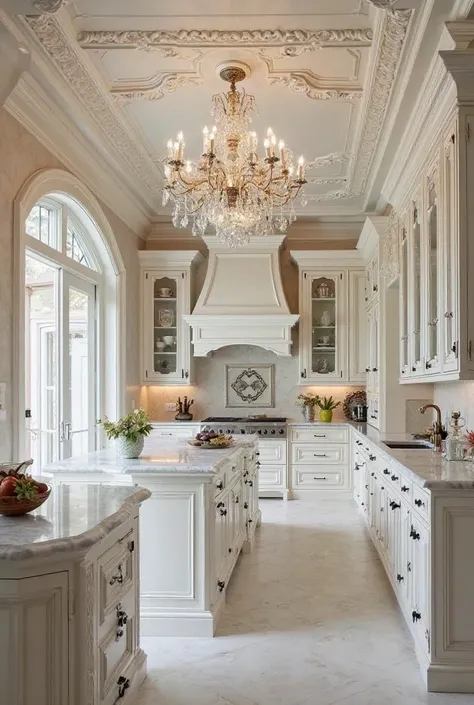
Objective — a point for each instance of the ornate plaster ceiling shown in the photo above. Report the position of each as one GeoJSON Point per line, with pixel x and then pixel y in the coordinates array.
{"type": "Point", "coordinates": [323, 75]}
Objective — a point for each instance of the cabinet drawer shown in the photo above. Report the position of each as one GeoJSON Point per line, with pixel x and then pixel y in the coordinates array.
{"type": "Point", "coordinates": [320, 434]}
{"type": "Point", "coordinates": [421, 502]}
{"type": "Point", "coordinates": [117, 644]}
{"type": "Point", "coordinates": [172, 431]}
{"type": "Point", "coordinates": [272, 476]}
{"type": "Point", "coordinates": [320, 478]}
{"type": "Point", "coordinates": [313, 454]}
{"type": "Point", "coordinates": [272, 451]}
{"type": "Point", "coordinates": [116, 571]}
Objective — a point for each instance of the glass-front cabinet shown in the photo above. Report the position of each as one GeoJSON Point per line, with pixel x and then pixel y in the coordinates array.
{"type": "Point", "coordinates": [449, 313]}
{"type": "Point", "coordinates": [404, 294]}
{"type": "Point", "coordinates": [332, 319]}
{"type": "Point", "coordinates": [432, 320]}
{"type": "Point", "coordinates": [415, 290]}
{"type": "Point", "coordinates": [166, 298]}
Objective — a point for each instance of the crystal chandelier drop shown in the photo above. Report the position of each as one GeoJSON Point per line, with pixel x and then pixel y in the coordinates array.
{"type": "Point", "coordinates": [232, 188]}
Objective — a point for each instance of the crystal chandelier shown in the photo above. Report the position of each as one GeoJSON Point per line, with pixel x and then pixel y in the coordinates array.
{"type": "Point", "coordinates": [232, 188]}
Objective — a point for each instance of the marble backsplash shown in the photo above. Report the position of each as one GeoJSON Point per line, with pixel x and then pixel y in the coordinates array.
{"type": "Point", "coordinates": [208, 391]}
{"type": "Point", "coordinates": [456, 396]}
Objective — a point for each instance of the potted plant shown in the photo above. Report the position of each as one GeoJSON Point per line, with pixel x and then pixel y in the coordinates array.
{"type": "Point", "coordinates": [308, 402]}
{"type": "Point", "coordinates": [327, 406]}
{"type": "Point", "coordinates": [129, 432]}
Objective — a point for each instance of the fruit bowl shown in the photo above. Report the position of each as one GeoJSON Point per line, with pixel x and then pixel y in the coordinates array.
{"type": "Point", "coordinates": [14, 507]}
{"type": "Point", "coordinates": [214, 442]}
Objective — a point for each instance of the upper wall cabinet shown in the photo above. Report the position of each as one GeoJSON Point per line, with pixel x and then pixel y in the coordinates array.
{"type": "Point", "coordinates": [332, 317]}
{"type": "Point", "coordinates": [166, 297]}
{"type": "Point", "coordinates": [437, 262]}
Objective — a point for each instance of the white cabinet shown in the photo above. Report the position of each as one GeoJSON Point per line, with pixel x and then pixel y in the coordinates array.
{"type": "Point", "coordinates": [319, 458]}
{"type": "Point", "coordinates": [436, 262]}
{"type": "Point", "coordinates": [332, 319]}
{"type": "Point", "coordinates": [167, 296]}
{"type": "Point", "coordinates": [273, 468]}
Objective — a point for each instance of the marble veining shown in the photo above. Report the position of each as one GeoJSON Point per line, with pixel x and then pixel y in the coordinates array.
{"type": "Point", "coordinates": [168, 456]}
{"type": "Point", "coordinates": [310, 619]}
{"type": "Point", "coordinates": [74, 518]}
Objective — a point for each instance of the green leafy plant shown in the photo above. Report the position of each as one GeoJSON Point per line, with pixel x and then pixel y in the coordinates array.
{"type": "Point", "coordinates": [328, 403]}
{"type": "Point", "coordinates": [308, 398]}
{"type": "Point", "coordinates": [131, 426]}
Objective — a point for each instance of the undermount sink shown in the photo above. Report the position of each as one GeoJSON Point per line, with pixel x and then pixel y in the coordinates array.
{"type": "Point", "coordinates": [418, 445]}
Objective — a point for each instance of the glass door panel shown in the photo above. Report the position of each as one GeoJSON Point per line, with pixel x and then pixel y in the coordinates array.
{"type": "Point", "coordinates": [404, 318]}
{"type": "Point", "coordinates": [166, 330]}
{"type": "Point", "coordinates": [41, 358]}
{"type": "Point", "coordinates": [78, 423]}
{"type": "Point", "coordinates": [451, 352]}
{"type": "Point", "coordinates": [433, 316]}
{"type": "Point", "coordinates": [416, 286]}
{"type": "Point", "coordinates": [325, 335]}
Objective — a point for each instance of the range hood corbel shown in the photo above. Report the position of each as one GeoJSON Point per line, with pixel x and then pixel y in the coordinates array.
{"type": "Point", "coordinates": [242, 301]}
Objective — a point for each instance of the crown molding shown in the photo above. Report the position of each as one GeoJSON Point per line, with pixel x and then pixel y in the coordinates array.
{"type": "Point", "coordinates": [390, 38]}
{"type": "Point", "coordinates": [290, 42]}
{"type": "Point", "coordinates": [169, 258]}
{"type": "Point", "coordinates": [58, 40]}
{"type": "Point", "coordinates": [371, 235]}
{"type": "Point", "coordinates": [33, 108]}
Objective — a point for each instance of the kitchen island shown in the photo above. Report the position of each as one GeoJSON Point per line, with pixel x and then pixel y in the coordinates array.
{"type": "Point", "coordinates": [202, 513]}
{"type": "Point", "coordinates": [69, 599]}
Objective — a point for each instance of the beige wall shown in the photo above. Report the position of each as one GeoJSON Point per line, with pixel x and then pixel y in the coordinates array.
{"type": "Point", "coordinates": [21, 155]}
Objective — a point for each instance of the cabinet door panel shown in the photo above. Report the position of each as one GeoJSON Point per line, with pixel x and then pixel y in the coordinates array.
{"type": "Point", "coordinates": [450, 293]}
{"type": "Point", "coordinates": [328, 314]}
{"type": "Point", "coordinates": [420, 580]}
{"type": "Point", "coordinates": [404, 299]}
{"type": "Point", "coordinates": [432, 326]}
{"type": "Point", "coordinates": [415, 288]}
{"type": "Point", "coordinates": [34, 671]}
{"type": "Point", "coordinates": [358, 325]}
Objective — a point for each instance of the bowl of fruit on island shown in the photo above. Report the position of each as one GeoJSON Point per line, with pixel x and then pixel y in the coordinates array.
{"type": "Point", "coordinates": [21, 493]}
{"type": "Point", "coordinates": [211, 439]}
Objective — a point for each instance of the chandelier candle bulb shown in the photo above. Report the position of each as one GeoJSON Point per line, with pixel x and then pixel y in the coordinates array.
{"type": "Point", "coordinates": [205, 140]}
{"type": "Point", "coordinates": [266, 144]}
{"type": "Point", "coordinates": [170, 149]}
{"type": "Point", "coordinates": [300, 169]}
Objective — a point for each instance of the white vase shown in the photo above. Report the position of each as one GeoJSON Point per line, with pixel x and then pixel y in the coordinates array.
{"type": "Point", "coordinates": [129, 449]}
{"type": "Point", "coordinates": [308, 412]}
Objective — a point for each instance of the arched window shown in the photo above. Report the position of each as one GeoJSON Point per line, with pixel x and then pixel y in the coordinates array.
{"type": "Point", "coordinates": [70, 311]}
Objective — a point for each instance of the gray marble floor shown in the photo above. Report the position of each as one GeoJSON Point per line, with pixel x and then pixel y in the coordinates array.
{"type": "Point", "coordinates": [310, 620]}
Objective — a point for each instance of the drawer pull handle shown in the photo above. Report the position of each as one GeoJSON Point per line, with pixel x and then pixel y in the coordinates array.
{"type": "Point", "coordinates": [319, 478]}
{"type": "Point", "coordinates": [386, 471]}
{"type": "Point", "coordinates": [414, 534]}
{"type": "Point", "coordinates": [419, 503]}
{"type": "Point", "coordinates": [320, 455]}
{"type": "Point", "coordinates": [122, 617]}
{"type": "Point", "coordinates": [118, 578]}
{"type": "Point", "coordinates": [246, 505]}
{"type": "Point", "coordinates": [409, 566]}
{"type": "Point", "coordinates": [394, 478]}
{"type": "Point", "coordinates": [165, 434]}
{"type": "Point", "coordinates": [220, 485]}
{"type": "Point", "coordinates": [405, 488]}
{"type": "Point", "coordinates": [394, 505]}
{"type": "Point", "coordinates": [123, 685]}
{"type": "Point", "coordinates": [319, 435]}
{"type": "Point", "coordinates": [372, 457]}
{"type": "Point", "coordinates": [223, 512]}
{"type": "Point", "coordinates": [220, 585]}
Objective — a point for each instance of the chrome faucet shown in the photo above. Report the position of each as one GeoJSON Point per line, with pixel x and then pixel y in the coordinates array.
{"type": "Point", "coordinates": [437, 427]}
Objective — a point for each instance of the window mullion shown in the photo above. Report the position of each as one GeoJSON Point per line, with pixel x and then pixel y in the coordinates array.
{"type": "Point", "coordinates": [64, 217]}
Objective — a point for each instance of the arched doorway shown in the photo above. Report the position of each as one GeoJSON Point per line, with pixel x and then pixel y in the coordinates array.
{"type": "Point", "coordinates": [70, 313]}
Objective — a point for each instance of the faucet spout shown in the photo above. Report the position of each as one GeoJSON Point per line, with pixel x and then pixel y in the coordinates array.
{"type": "Point", "coordinates": [437, 428]}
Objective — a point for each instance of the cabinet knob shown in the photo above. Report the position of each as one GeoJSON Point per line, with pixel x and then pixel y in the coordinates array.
{"type": "Point", "coordinates": [394, 478]}
{"type": "Point", "coordinates": [409, 566]}
{"type": "Point", "coordinates": [246, 505]}
{"type": "Point", "coordinates": [386, 471]}
{"type": "Point", "coordinates": [395, 505]}
{"type": "Point", "coordinates": [413, 368]}
{"type": "Point", "coordinates": [414, 534]}
{"type": "Point", "coordinates": [220, 485]}
{"type": "Point", "coordinates": [220, 585]}
{"type": "Point", "coordinates": [400, 578]}
{"type": "Point", "coordinates": [367, 369]}
{"type": "Point", "coordinates": [372, 457]}
{"type": "Point", "coordinates": [419, 503]}
{"type": "Point", "coordinates": [374, 369]}
{"type": "Point", "coordinates": [428, 365]}
{"type": "Point", "coordinates": [223, 512]}
{"type": "Point", "coordinates": [416, 616]}
{"type": "Point", "coordinates": [405, 488]}
{"type": "Point", "coordinates": [303, 374]}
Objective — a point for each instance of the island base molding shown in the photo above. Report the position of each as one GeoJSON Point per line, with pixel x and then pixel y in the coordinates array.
{"type": "Point", "coordinates": [449, 679]}
{"type": "Point", "coordinates": [187, 624]}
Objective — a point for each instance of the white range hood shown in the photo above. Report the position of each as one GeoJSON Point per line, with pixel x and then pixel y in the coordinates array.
{"type": "Point", "coordinates": [242, 300]}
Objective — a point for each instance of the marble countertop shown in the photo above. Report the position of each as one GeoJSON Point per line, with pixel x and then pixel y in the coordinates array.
{"type": "Point", "coordinates": [74, 518]}
{"type": "Point", "coordinates": [167, 456]}
{"type": "Point", "coordinates": [422, 465]}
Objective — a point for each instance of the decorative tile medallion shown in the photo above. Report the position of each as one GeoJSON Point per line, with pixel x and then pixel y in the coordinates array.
{"type": "Point", "coordinates": [249, 386]}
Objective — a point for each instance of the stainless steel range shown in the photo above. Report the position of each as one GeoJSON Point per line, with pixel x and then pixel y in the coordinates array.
{"type": "Point", "coordinates": [269, 426]}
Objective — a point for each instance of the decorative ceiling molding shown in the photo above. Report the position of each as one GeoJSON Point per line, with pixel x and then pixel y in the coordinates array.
{"type": "Point", "coordinates": [394, 34]}
{"type": "Point", "coordinates": [300, 83]}
{"type": "Point", "coordinates": [338, 195]}
{"type": "Point", "coordinates": [49, 6]}
{"type": "Point", "coordinates": [161, 84]}
{"type": "Point", "coordinates": [67, 57]}
{"type": "Point", "coordinates": [328, 159]}
{"type": "Point", "coordinates": [291, 42]}
{"type": "Point", "coordinates": [318, 181]}
{"type": "Point", "coordinates": [383, 4]}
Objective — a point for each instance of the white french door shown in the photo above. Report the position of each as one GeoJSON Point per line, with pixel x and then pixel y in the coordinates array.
{"type": "Point", "coordinates": [61, 363]}
{"type": "Point", "coordinates": [78, 366]}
